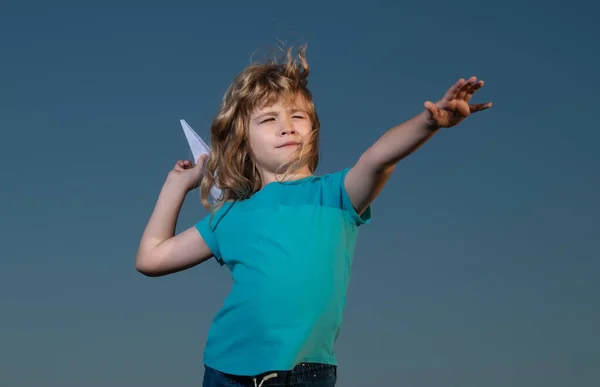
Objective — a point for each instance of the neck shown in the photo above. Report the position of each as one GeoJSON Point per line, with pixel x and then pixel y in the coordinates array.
{"type": "Point", "coordinates": [269, 177]}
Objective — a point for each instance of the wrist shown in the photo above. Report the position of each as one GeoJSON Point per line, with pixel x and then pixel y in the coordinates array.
{"type": "Point", "coordinates": [428, 122]}
{"type": "Point", "coordinates": [175, 187]}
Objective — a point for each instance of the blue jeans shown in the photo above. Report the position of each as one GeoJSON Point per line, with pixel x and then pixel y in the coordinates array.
{"type": "Point", "coordinates": [302, 375]}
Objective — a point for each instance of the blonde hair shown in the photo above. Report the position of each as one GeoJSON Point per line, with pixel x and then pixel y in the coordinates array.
{"type": "Point", "coordinates": [230, 166]}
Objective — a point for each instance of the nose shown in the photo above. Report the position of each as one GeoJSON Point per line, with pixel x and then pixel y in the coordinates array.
{"type": "Point", "coordinates": [287, 128]}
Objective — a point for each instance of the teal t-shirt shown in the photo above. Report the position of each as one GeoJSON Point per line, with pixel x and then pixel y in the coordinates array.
{"type": "Point", "coordinates": [289, 248]}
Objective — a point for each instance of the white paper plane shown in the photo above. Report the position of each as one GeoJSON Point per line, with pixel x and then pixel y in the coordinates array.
{"type": "Point", "coordinates": [198, 148]}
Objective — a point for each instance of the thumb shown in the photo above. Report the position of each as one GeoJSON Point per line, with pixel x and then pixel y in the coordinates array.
{"type": "Point", "coordinates": [201, 161]}
{"type": "Point", "coordinates": [431, 108]}
{"type": "Point", "coordinates": [198, 170]}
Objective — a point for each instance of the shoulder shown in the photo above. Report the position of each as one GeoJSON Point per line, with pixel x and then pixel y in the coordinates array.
{"type": "Point", "coordinates": [215, 215]}
{"type": "Point", "coordinates": [334, 188]}
{"type": "Point", "coordinates": [328, 178]}
{"type": "Point", "coordinates": [333, 180]}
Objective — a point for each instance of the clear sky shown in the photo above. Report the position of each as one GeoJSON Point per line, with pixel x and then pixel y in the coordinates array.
{"type": "Point", "coordinates": [480, 266]}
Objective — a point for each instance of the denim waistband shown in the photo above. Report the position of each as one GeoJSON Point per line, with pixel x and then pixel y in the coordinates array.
{"type": "Point", "coordinates": [302, 372]}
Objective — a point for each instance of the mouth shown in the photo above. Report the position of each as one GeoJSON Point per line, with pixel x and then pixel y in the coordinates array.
{"type": "Point", "coordinates": [289, 144]}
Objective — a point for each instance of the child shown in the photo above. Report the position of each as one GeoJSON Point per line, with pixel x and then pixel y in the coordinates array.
{"type": "Point", "coordinates": [287, 235]}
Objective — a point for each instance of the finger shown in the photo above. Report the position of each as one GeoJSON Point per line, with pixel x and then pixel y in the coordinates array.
{"type": "Point", "coordinates": [472, 90]}
{"type": "Point", "coordinates": [182, 165]}
{"type": "Point", "coordinates": [453, 91]}
{"type": "Point", "coordinates": [466, 87]}
{"type": "Point", "coordinates": [457, 107]}
{"type": "Point", "coordinates": [479, 107]}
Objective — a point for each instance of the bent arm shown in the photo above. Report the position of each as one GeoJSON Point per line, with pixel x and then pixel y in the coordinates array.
{"type": "Point", "coordinates": [365, 180]}
{"type": "Point", "coordinates": [162, 252]}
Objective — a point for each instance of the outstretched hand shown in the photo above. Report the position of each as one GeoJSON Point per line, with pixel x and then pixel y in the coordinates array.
{"type": "Point", "coordinates": [454, 107]}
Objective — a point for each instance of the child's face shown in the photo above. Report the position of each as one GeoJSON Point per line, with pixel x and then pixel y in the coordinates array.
{"type": "Point", "coordinates": [276, 132]}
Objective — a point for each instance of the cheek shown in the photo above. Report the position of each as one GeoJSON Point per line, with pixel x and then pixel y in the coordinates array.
{"type": "Point", "coordinates": [259, 142]}
{"type": "Point", "coordinates": [304, 128]}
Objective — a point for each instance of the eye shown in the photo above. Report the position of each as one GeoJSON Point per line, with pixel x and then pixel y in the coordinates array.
{"type": "Point", "coordinates": [267, 120]}
{"type": "Point", "coordinates": [301, 117]}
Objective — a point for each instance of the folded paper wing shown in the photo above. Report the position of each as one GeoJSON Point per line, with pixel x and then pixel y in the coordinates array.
{"type": "Point", "coordinates": [198, 148]}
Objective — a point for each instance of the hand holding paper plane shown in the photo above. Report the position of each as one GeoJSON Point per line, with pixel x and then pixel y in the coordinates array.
{"type": "Point", "coordinates": [198, 148]}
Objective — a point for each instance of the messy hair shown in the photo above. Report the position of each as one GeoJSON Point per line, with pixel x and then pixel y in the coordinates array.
{"type": "Point", "coordinates": [231, 167]}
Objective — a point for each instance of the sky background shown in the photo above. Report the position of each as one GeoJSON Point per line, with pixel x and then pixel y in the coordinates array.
{"type": "Point", "coordinates": [480, 267]}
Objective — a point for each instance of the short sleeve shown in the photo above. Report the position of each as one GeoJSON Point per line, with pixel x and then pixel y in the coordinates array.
{"type": "Point", "coordinates": [207, 229]}
{"type": "Point", "coordinates": [347, 205]}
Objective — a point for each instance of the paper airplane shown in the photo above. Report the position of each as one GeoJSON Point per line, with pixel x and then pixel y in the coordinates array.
{"type": "Point", "coordinates": [198, 148]}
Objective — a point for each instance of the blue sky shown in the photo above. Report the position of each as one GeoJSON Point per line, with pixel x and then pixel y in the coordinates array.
{"type": "Point", "coordinates": [480, 266]}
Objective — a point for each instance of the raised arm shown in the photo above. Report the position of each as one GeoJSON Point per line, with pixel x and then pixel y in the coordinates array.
{"type": "Point", "coordinates": [162, 252]}
{"type": "Point", "coordinates": [368, 176]}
